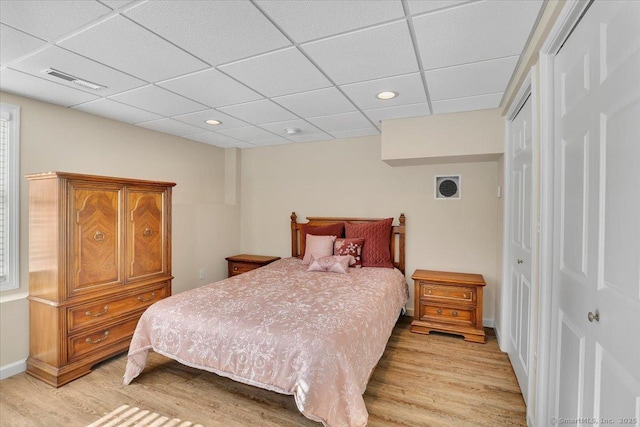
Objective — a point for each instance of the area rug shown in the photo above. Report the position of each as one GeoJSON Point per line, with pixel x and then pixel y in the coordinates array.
{"type": "Point", "coordinates": [130, 416]}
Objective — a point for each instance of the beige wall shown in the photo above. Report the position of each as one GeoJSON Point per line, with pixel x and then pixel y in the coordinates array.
{"type": "Point", "coordinates": [443, 138]}
{"type": "Point", "coordinates": [205, 229]}
{"type": "Point", "coordinates": [347, 178]}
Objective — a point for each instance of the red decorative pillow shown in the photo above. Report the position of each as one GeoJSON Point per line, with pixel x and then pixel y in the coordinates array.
{"type": "Point", "coordinates": [377, 237]}
{"type": "Point", "coordinates": [325, 230]}
{"type": "Point", "coordinates": [352, 247]}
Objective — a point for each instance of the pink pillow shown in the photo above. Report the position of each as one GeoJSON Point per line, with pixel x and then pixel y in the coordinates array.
{"type": "Point", "coordinates": [332, 264]}
{"type": "Point", "coordinates": [377, 237]}
{"type": "Point", "coordinates": [318, 246]}
{"type": "Point", "coordinates": [336, 229]}
{"type": "Point", "coordinates": [352, 247]}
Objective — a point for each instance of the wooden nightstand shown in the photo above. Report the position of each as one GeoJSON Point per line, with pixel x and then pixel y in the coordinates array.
{"type": "Point", "coordinates": [448, 302]}
{"type": "Point", "coordinates": [239, 264]}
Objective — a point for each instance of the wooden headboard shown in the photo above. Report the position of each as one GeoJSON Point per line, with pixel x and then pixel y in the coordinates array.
{"type": "Point", "coordinates": [396, 249]}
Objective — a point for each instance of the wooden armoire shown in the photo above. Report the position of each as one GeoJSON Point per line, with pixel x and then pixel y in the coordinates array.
{"type": "Point", "coordinates": [99, 255]}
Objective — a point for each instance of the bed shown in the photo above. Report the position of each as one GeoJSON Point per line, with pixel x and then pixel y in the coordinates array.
{"type": "Point", "coordinates": [316, 335]}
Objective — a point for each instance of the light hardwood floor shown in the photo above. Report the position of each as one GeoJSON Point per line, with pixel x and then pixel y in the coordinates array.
{"type": "Point", "coordinates": [434, 380]}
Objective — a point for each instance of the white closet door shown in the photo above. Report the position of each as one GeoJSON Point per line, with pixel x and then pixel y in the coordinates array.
{"type": "Point", "coordinates": [520, 243]}
{"type": "Point", "coordinates": [595, 348]}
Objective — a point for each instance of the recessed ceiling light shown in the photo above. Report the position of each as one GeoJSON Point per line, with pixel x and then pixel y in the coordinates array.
{"type": "Point", "coordinates": [387, 95]}
{"type": "Point", "coordinates": [213, 122]}
{"type": "Point", "coordinates": [291, 131]}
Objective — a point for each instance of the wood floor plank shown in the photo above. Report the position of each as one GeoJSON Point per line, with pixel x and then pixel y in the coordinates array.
{"type": "Point", "coordinates": [421, 380]}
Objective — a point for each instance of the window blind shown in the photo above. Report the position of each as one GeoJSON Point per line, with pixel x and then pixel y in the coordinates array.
{"type": "Point", "coordinates": [4, 198]}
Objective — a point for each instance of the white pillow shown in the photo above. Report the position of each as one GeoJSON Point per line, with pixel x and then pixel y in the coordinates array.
{"type": "Point", "coordinates": [332, 264]}
{"type": "Point", "coordinates": [318, 246]}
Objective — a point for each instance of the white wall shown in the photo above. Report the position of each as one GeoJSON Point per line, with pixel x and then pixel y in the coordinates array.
{"type": "Point", "coordinates": [205, 229]}
{"type": "Point", "coordinates": [347, 178]}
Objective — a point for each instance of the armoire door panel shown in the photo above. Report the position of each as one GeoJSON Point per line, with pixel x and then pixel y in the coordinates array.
{"type": "Point", "coordinates": [94, 246]}
{"type": "Point", "coordinates": [146, 237]}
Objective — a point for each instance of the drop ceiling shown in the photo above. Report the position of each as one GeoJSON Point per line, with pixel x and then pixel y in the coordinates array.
{"type": "Point", "coordinates": [264, 67]}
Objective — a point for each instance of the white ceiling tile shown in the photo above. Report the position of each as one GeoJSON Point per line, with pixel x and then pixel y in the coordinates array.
{"type": "Point", "coordinates": [315, 103]}
{"type": "Point", "coordinates": [272, 141]}
{"type": "Point", "coordinates": [212, 138]}
{"type": "Point", "coordinates": [159, 101]}
{"type": "Point", "coordinates": [480, 102]}
{"type": "Point", "coordinates": [117, 111]}
{"type": "Point", "coordinates": [341, 122]}
{"type": "Point", "coordinates": [307, 20]}
{"type": "Point", "coordinates": [259, 112]}
{"type": "Point", "coordinates": [33, 87]}
{"type": "Point", "coordinates": [409, 88]}
{"type": "Point", "coordinates": [313, 137]}
{"type": "Point", "coordinates": [355, 133]}
{"type": "Point", "coordinates": [400, 112]}
{"type": "Point", "coordinates": [212, 88]}
{"type": "Point", "coordinates": [78, 66]}
{"type": "Point", "coordinates": [14, 44]}
{"type": "Point", "coordinates": [132, 49]}
{"type": "Point", "coordinates": [303, 127]}
{"type": "Point", "coordinates": [218, 31]}
{"type": "Point", "coordinates": [117, 4]}
{"type": "Point", "coordinates": [278, 73]}
{"type": "Point", "coordinates": [249, 134]}
{"type": "Point", "coordinates": [50, 19]}
{"type": "Point", "coordinates": [377, 52]}
{"type": "Point", "coordinates": [198, 119]}
{"type": "Point", "coordinates": [470, 79]}
{"type": "Point", "coordinates": [474, 32]}
{"type": "Point", "coordinates": [170, 126]}
{"type": "Point", "coordinates": [422, 6]}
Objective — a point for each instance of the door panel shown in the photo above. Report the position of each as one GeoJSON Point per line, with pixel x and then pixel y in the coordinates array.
{"type": "Point", "coordinates": [597, 176]}
{"type": "Point", "coordinates": [94, 254]}
{"type": "Point", "coordinates": [147, 233]}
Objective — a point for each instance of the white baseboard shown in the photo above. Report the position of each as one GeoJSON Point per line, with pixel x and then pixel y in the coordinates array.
{"type": "Point", "coordinates": [12, 369]}
{"type": "Point", "coordinates": [489, 323]}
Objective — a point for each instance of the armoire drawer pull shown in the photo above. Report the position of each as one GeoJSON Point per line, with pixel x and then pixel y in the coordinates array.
{"type": "Point", "coordinates": [454, 313]}
{"type": "Point", "coordinates": [99, 236]}
{"type": "Point", "coordinates": [104, 310]}
{"type": "Point", "coordinates": [147, 232]}
{"type": "Point", "coordinates": [439, 311]}
{"type": "Point", "coordinates": [153, 295]}
{"type": "Point", "coordinates": [90, 341]}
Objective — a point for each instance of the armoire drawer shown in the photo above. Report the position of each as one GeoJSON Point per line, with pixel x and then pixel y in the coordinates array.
{"type": "Point", "coordinates": [92, 342]}
{"type": "Point", "coordinates": [90, 314]}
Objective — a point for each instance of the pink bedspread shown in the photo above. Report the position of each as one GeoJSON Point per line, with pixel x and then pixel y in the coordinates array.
{"type": "Point", "coordinates": [314, 335]}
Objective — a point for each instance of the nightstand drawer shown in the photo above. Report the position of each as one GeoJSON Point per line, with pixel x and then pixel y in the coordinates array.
{"type": "Point", "coordinates": [436, 313]}
{"type": "Point", "coordinates": [438, 292]}
{"type": "Point", "coordinates": [236, 268]}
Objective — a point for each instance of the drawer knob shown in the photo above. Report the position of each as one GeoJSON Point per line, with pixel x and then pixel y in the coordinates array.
{"type": "Point", "coordinates": [90, 341]}
{"type": "Point", "coordinates": [454, 313]}
{"type": "Point", "coordinates": [429, 291]}
{"type": "Point", "coordinates": [99, 236]}
{"type": "Point", "coordinates": [153, 295]}
{"type": "Point", "coordinates": [235, 268]}
{"type": "Point", "coordinates": [104, 310]}
{"type": "Point", "coordinates": [147, 232]}
{"type": "Point", "coordinates": [464, 295]}
{"type": "Point", "coordinates": [439, 311]}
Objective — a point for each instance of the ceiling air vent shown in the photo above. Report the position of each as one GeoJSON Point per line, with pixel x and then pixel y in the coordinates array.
{"type": "Point", "coordinates": [448, 187]}
{"type": "Point", "coordinates": [72, 79]}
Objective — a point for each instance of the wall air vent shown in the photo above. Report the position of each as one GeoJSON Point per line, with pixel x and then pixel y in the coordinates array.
{"type": "Point", "coordinates": [72, 79]}
{"type": "Point", "coordinates": [448, 187]}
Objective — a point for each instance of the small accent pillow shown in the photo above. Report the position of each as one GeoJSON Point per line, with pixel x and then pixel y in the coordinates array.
{"type": "Point", "coordinates": [324, 230]}
{"type": "Point", "coordinates": [318, 246]}
{"type": "Point", "coordinates": [377, 235]}
{"type": "Point", "coordinates": [332, 264]}
{"type": "Point", "coordinates": [352, 247]}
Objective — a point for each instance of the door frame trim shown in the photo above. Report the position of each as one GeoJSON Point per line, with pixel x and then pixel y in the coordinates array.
{"type": "Point", "coordinates": [569, 17]}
